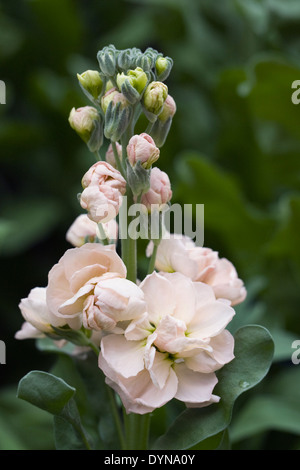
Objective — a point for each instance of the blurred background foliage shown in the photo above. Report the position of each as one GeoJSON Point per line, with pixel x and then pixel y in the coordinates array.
{"type": "Point", "coordinates": [234, 146]}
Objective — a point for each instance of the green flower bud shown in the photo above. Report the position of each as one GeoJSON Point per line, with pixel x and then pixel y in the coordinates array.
{"type": "Point", "coordinates": [117, 119]}
{"type": "Point", "coordinates": [160, 130]}
{"type": "Point", "coordinates": [137, 79]}
{"type": "Point", "coordinates": [87, 122]}
{"type": "Point", "coordinates": [125, 59]}
{"type": "Point", "coordinates": [144, 61]}
{"type": "Point", "coordinates": [162, 125]}
{"type": "Point", "coordinates": [107, 58]}
{"type": "Point", "coordinates": [91, 82]}
{"type": "Point", "coordinates": [138, 178]}
{"type": "Point", "coordinates": [153, 100]}
{"type": "Point", "coordinates": [163, 66]}
{"type": "Point", "coordinates": [118, 112]}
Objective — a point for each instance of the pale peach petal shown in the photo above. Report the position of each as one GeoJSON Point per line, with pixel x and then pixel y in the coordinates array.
{"type": "Point", "coordinates": [160, 369]}
{"type": "Point", "coordinates": [158, 293]}
{"type": "Point", "coordinates": [76, 268]}
{"type": "Point", "coordinates": [168, 330]}
{"type": "Point", "coordinates": [184, 295]}
{"type": "Point", "coordinates": [74, 305]}
{"type": "Point", "coordinates": [126, 358]}
{"type": "Point", "coordinates": [28, 331]}
{"type": "Point", "coordinates": [139, 329]}
{"type": "Point", "coordinates": [210, 320]}
{"type": "Point", "coordinates": [194, 387]}
{"type": "Point", "coordinates": [120, 298]}
{"type": "Point", "coordinates": [93, 318]}
{"type": "Point", "coordinates": [213, 399]}
{"type": "Point", "coordinates": [139, 394]}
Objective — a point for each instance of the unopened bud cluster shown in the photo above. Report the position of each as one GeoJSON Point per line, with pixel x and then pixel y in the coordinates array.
{"type": "Point", "coordinates": [129, 83]}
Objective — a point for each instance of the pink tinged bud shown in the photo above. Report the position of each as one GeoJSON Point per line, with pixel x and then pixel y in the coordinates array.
{"type": "Point", "coordinates": [160, 192]}
{"type": "Point", "coordinates": [154, 97]}
{"type": "Point", "coordinates": [104, 187]}
{"type": "Point", "coordinates": [142, 148]}
{"type": "Point", "coordinates": [82, 121]}
{"type": "Point", "coordinates": [169, 109]}
{"type": "Point", "coordinates": [114, 96]}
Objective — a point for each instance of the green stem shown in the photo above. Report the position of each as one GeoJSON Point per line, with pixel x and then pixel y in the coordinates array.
{"type": "Point", "coordinates": [137, 431]}
{"type": "Point", "coordinates": [149, 127]}
{"type": "Point", "coordinates": [116, 416]}
{"type": "Point", "coordinates": [152, 259]}
{"type": "Point", "coordinates": [128, 244]}
{"type": "Point", "coordinates": [118, 161]}
{"type": "Point", "coordinates": [103, 234]}
{"type": "Point", "coordinates": [98, 156]}
{"type": "Point", "coordinates": [113, 404]}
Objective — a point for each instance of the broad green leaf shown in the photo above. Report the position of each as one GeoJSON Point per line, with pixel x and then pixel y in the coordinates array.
{"type": "Point", "coordinates": [66, 437]}
{"type": "Point", "coordinates": [45, 391]}
{"type": "Point", "coordinates": [52, 394]}
{"type": "Point", "coordinates": [253, 356]}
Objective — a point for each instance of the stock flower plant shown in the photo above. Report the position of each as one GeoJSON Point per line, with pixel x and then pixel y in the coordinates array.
{"type": "Point", "coordinates": [158, 347]}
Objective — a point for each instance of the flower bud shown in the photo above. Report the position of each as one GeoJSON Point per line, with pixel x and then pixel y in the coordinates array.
{"type": "Point", "coordinates": [163, 123]}
{"type": "Point", "coordinates": [104, 187]}
{"type": "Point", "coordinates": [138, 178]}
{"type": "Point", "coordinates": [160, 192]}
{"type": "Point", "coordinates": [117, 114]}
{"type": "Point", "coordinates": [153, 100]}
{"type": "Point", "coordinates": [163, 67]}
{"type": "Point", "coordinates": [107, 60]}
{"type": "Point", "coordinates": [168, 110]}
{"type": "Point", "coordinates": [142, 148]}
{"type": "Point", "coordinates": [91, 82]}
{"type": "Point", "coordinates": [125, 59]}
{"type": "Point", "coordinates": [132, 84]}
{"type": "Point", "coordinates": [87, 122]}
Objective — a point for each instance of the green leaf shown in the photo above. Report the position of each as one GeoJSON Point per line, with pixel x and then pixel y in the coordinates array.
{"type": "Point", "coordinates": [52, 394]}
{"type": "Point", "coordinates": [66, 437]}
{"type": "Point", "coordinates": [253, 356]}
{"type": "Point", "coordinates": [45, 391]}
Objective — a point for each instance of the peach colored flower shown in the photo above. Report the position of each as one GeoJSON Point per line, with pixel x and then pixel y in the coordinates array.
{"type": "Point", "coordinates": [114, 300]}
{"type": "Point", "coordinates": [160, 192]}
{"type": "Point", "coordinates": [74, 278]}
{"type": "Point", "coordinates": [173, 350]}
{"type": "Point", "coordinates": [83, 230]}
{"type": "Point", "coordinates": [36, 313]}
{"type": "Point", "coordinates": [178, 253]}
{"type": "Point", "coordinates": [142, 148]}
{"type": "Point", "coordinates": [104, 187]}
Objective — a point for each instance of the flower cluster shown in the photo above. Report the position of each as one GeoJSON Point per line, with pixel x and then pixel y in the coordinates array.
{"type": "Point", "coordinates": [165, 336]}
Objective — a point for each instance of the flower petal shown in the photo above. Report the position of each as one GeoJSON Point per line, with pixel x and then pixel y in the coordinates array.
{"type": "Point", "coordinates": [139, 394]}
{"type": "Point", "coordinates": [158, 293]}
{"type": "Point", "coordinates": [210, 319]}
{"type": "Point", "coordinates": [194, 387]}
{"type": "Point", "coordinates": [126, 358]}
